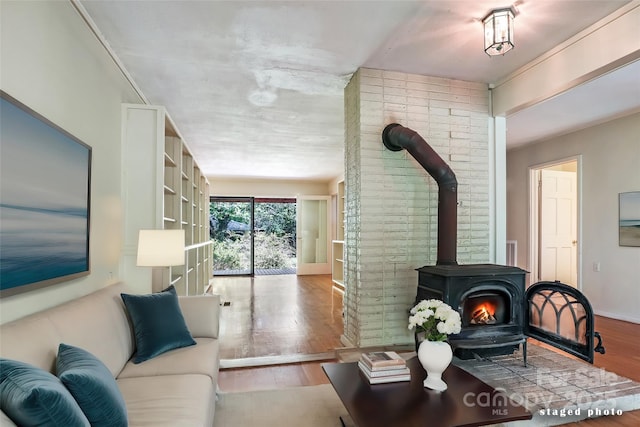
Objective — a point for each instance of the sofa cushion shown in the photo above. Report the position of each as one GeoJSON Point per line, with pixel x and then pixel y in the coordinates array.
{"type": "Point", "coordinates": [198, 359]}
{"type": "Point", "coordinates": [92, 386]}
{"type": "Point", "coordinates": [202, 314]}
{"type": "Point", "coordinates": [158, 324]}
{"type": "Point", "coordinates": [31, 396]}
{"type": "Point", "coordinates": [169, 400]}
{"type": "Point", "coordinates": [39, 350]}
{"type": "Point", "coordinates": [97, 323]}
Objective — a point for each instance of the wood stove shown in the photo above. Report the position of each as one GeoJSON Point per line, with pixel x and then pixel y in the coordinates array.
{"type": "Point", "coordinates": [490, 300]}
{"type": "Point", "coordinates": [497, 313]}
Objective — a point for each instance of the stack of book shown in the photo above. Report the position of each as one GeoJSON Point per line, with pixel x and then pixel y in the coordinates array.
{"type": "Point", "coordinates": [384, 367]}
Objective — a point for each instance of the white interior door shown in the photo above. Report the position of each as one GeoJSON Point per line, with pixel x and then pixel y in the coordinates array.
{"type": "Point", "coordinates": [558, 226]}
{"type": "Point", "coordinates": [313, 234]}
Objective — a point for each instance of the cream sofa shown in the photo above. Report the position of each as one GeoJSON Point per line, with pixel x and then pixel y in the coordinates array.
{"type": "Point", "coordinates": [177, 388]}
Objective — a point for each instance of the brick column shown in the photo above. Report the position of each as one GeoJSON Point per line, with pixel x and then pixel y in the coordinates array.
{"type": "Point", "coordinates": [391, 201]}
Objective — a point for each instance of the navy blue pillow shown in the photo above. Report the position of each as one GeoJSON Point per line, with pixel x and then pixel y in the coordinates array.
{"type": "Point", "coordinates": [158, 324]}
{"type": "Point", "coordinates": [31, 396]}
{"type": "Point", "coordinates": [92, 386]}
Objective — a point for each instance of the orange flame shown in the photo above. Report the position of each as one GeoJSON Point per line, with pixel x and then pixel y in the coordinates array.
{"type": "Point", "coordinates": [483, 313]}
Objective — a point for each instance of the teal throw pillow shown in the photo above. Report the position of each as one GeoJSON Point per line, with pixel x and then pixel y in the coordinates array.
{"type": "Point", "coordinates": [158, 324]}
{"type": "Point", "coordinates": [92, 386]}
{"type": "Point", "coordinates": [31, 396]}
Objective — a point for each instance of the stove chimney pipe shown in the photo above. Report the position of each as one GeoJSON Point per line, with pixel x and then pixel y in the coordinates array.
{"type": "Point", "coordinates": [397, 137]}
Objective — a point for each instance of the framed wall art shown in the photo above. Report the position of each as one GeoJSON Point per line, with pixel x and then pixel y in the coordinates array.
{"type": "Point", "coordinates": [45, 186]}
{"type": "Point", "coordinates": [629, 222]}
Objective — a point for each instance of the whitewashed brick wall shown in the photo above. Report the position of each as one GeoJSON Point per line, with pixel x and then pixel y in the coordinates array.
{"type": "Point", "coordinates": [391, 201]}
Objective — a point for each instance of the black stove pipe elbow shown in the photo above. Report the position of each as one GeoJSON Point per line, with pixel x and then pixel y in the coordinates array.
{"type": "Point", "coordinates": [396, 138]}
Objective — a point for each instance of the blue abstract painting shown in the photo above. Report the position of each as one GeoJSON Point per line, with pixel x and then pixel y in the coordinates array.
{"type": "Point", "coordinates": [44, 201]}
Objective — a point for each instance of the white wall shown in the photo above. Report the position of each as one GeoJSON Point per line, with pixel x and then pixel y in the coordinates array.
{"type": "Point", "coordinates": [267, 187]}
{"type": "Point", "coordinates": [610, 161]}
{"type": "Point", "coordinates": [51, 62]}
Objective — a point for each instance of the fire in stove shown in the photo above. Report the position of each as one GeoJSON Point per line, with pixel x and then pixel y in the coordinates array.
{"type": "Point", "coordinates": [488, 307]}
{"type": "Point", "coordinates": [484, 314]}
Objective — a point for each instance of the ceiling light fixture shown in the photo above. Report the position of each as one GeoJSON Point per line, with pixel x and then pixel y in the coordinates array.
{"type": "Point", "coordinates": [498, 31]}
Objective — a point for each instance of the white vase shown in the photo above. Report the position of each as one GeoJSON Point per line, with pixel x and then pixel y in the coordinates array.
{"type": "Point", "coordinates": [435, 357]}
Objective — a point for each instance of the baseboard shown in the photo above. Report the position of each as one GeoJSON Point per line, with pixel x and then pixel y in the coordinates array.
{"type": "Point", "coordinates": [249, 362]}
{"type": "Point", "coordinates": [617, 316]}
{"type": "Point", "coordinates": [346, 342]}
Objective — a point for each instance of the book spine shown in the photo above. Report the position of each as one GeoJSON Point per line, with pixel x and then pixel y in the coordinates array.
{"type": "Point", "coordinates": [378, 367]}
{"type": "Point", "coordinates": [386, 368]}
{"type": "Point", "coordinates": [393, 360]}
{"type": "Point", "coordinates": [385, 380]}
{"type": "Point", "coordinates": [385, 373]}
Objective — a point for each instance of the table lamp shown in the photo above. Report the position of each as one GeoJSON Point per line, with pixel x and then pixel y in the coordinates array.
{"type": "Point", "coordinates": [160, 248]}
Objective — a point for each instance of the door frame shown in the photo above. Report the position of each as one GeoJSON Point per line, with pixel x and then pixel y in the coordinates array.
{"type": "Point", "coordinates": [534, 216]}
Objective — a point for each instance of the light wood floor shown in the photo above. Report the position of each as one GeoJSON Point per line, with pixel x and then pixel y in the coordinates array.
{"type": "Point", "coordinates": [278, 315]}
{"type": "Point", "coordinates": [274, 315]}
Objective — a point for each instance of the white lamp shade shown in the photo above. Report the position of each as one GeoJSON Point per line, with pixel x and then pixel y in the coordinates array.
{"type": "Point", "coordinates": [160, 248]}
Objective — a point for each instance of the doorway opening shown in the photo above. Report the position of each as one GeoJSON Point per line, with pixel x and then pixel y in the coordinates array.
{"type": "Point", "coordinates": [314, 235]}
{"type": "Point", "coordinates": [253, 236]}
{"type": "Point", "coordinates": [555, 221]}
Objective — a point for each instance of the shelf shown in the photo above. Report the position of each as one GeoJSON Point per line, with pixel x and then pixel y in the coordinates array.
{"type": "Point", "coordinates": [337, 267]}
{"type": "Point", "coordinates": [181, 185]}
{"type": "Point", "coordinates": [338, 286]}
{"type": "Point", "coordinates": [168, 161]}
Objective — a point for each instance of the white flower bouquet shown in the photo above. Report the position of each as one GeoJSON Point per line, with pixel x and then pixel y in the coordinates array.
{"type": "Point", "coordinates": [435, 318]}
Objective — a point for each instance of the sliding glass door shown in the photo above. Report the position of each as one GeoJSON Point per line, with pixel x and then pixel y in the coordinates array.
{"type": "Point", "coordinates": [232, 232]}
{"type": "Point", "coordinates": [253, 235]}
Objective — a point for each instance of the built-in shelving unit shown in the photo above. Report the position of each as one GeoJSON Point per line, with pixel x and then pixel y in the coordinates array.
{"type": "Point", "coordinates": [164, 189]}
{"type": "Point", "coordinates": [338, 244]}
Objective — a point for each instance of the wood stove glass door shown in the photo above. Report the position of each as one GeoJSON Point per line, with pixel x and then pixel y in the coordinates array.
{"type": "Point", "coordinates": [561, 316]}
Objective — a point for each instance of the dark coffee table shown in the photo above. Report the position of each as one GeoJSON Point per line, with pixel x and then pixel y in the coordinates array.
{"type": "Point", "coordinates": [467, 402]}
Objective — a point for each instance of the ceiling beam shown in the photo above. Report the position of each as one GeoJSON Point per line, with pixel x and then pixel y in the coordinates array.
{"type": "Point", "coordinates": [603, 47]}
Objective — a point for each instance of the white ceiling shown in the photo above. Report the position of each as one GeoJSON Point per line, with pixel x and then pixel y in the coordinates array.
{"type": "Point", "coordinates": [256, 87]}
